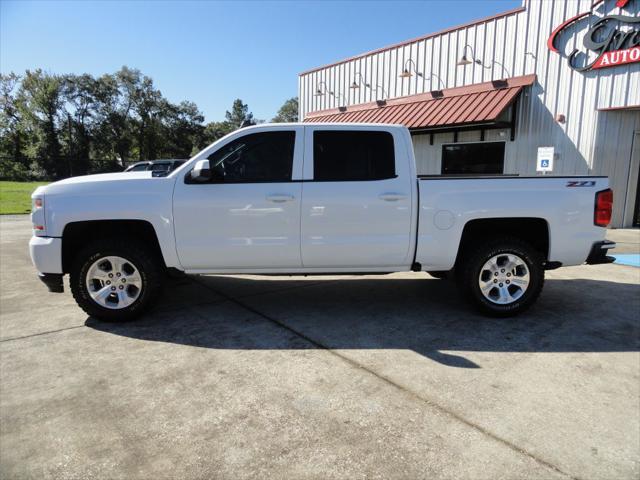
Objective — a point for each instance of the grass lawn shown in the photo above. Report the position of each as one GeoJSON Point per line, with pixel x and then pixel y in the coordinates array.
{"type": "Point", "coordinates": [15, 197]}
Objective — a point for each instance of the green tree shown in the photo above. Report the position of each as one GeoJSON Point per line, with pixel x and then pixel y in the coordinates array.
{"type": "Point", "coordinates": [80, 120]}
{"type": "Point", "coordinates": [14, 164]}
{"type": "Point", "coordinates": [55, 126]}
{"type": "Point", "coordinates": [213, 131]}
{"type": "Point", "coordinates": [183, 129]}
{"type": "Point", "coordinates": [113, 139]}
{"type": "Point", "coordinates": [239, 114]}
{"type": "Point", "coordinates": [39, 101]}
{"type": "Point", "coordinates": [288, 112]}
{"type": "Point", "coordinates": [146, 106]}
{"type": "Point", "coordinates": [11, 137]}
{"type": "Point", "coordinates": [234, 119]}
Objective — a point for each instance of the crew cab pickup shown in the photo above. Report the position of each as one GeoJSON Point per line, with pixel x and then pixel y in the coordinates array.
{"type": "Point", "coordinates": [313, 199]}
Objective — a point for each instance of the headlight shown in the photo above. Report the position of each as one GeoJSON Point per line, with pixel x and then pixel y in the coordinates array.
{"type": "Point", "coordinates": [37, 215]}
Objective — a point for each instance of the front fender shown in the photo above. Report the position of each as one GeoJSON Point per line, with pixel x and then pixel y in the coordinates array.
{"type": "Point", "coordinates": [148, 199]}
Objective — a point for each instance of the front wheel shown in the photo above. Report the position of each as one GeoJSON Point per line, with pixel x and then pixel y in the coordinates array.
{"type": "Point", "coordinates": [114, 280]}
{"type": "Point", "coordinates": [503, 277]}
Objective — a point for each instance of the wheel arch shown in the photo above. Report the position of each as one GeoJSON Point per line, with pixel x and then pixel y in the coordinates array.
{"type": "Point", "coordinates": [532, 230]}
{"type": "Point", "coordinates": [77, 234]}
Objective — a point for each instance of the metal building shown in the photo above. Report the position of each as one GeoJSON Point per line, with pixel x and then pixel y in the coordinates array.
{"type": "Point", "coordinates": [489, 96]}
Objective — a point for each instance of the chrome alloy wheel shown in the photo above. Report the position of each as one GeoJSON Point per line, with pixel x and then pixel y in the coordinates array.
{"type": "Point", "coordinates": [504, 278]}
{"type": "Point", "coordinates": [113, 282]}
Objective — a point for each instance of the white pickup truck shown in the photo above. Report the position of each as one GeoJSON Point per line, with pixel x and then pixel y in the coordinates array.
{"type": "Point", "coordinates": [313, 199]}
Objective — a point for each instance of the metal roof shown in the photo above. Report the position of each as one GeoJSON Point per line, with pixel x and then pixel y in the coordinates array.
{"type": "Point", "coordinates": [481, 103]}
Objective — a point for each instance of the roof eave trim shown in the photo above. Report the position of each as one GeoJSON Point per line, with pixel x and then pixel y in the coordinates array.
{"type": "Point", "coordinates": [523, 81]}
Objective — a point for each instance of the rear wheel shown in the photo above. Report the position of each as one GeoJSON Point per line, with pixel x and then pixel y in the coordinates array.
{"type": "Point", "coordinates": [114, 280]}
{"type": "Point", "coordinates": [503, 277]}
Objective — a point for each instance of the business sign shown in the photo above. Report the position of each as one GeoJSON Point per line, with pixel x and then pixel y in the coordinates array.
{"type": "Point", "coordinates": [544, 162]}
{"type": "Point", "coordinates": [611, 40]}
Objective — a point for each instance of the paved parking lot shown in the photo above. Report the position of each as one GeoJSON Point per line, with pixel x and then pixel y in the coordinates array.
{"type": "Point", "coordinates": [320, 377]}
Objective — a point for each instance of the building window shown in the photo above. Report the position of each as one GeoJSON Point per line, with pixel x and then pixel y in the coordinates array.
{"type": "Point", "coordinates": [342, 155]}
{"type": "Point", "coordinates": [486, 158]}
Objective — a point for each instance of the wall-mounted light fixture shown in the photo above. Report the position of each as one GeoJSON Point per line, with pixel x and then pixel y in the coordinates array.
{"type": "Point", "coordinates": [464, 60]}
{"type": "Point", "coordinates": [406, 73]}
{"type": "Point", "coordinates": [359, 80]}
{"type": "Point", "coordinates": [322, 90]}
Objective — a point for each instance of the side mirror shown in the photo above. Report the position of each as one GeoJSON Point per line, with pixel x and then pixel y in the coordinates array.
{"type": "Point", "coordinates": [201, 172]}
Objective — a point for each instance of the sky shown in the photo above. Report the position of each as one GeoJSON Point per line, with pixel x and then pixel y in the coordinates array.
{"type": "Point", "coordinates": [212, 52]}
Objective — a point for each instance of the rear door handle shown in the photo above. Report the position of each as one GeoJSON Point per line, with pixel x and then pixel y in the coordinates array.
{"type": "Point", "coordinates": [392, 197]}
{"type": "Point", "coordinates": [279, 198]}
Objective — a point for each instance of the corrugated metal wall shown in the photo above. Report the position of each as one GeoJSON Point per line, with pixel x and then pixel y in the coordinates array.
{"type": "Point", "coordinates": [517, 42]}
{"type": "Point", "coordinates": [612, 149]}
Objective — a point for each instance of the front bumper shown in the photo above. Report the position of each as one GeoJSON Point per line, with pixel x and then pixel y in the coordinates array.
{"type": "Point", "coordinates": [46, 254]}
{"type": "Point", "coordinates": [598, 253]}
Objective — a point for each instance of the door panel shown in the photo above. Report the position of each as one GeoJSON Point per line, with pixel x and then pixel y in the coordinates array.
{"type": "Point", "coordinates": [348, 224]}
{"type": "Point", "coordinates": [355, 223]}
{"type": "Point", "coordinates": [238, 225]}
{"type": "Point", "coordinates": [250, 218]}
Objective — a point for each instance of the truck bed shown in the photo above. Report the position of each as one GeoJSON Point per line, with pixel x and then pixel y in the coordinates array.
{"type": "Point", "coordinates": [449, 203]}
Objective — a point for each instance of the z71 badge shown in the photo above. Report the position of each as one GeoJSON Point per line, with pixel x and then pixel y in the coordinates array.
{"type": "Point", "coordinates": [583, 183]}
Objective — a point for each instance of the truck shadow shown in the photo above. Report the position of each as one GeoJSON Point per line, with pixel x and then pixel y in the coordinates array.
{"type": "Point", "coordinates": [424, 315]}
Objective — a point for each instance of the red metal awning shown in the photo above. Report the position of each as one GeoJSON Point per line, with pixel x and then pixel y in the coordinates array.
{"type": "Point", "coordinates": [478, 104]}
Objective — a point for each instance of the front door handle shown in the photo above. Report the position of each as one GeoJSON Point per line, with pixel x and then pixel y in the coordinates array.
{"type": "Point", "coordinates": [280, 198]}
{"type": "Point", "coordinates": [392, 197]}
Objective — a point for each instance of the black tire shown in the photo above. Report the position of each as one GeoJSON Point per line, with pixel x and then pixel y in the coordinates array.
{"type": "Point", "coordinates": [472, 264]}
{"type": "Point", "coordinates": [147, 263]}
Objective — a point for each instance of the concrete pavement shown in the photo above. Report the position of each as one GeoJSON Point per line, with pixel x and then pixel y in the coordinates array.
{"type": "Point", "coordinates": [320, 377]}
{"type": "Point", "coordinates": [627, 240]}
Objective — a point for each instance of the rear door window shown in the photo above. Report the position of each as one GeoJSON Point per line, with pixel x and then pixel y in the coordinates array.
{"type": "Point", "coordinates": [342, 155]}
